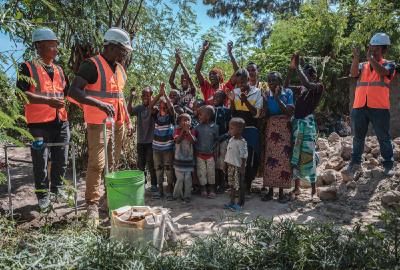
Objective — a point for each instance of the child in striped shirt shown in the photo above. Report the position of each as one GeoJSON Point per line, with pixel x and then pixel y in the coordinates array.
{"type": "Point", "coordinates": [163, 141]}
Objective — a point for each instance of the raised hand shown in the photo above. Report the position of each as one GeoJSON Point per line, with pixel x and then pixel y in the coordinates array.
{"type": "Point", "coordinates": [178, 56]}
{"type": "Point", "coordinates": [230, 47]}
{"type": "Point", "coordinates": [293, 62]}
{"type": "Point", "coordinates": [162, 89]}
{"type": "Point", "coordinates": [206, 45]}
{"type": "Point", "coordinates": [133, 91]}
{"type": "Point", "coordinates": [356, 52]}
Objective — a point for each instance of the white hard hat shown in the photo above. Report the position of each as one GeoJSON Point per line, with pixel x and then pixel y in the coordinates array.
{"type": "Point", "coordinates": [43, 34]}
{"type": "Point", "coordinates": [117, 35]}
{"type": "Point", "coordinates": [380, 39]}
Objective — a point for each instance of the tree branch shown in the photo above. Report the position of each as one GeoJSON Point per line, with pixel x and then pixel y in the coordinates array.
{"type": "Point", "coordinates": [121, 16]}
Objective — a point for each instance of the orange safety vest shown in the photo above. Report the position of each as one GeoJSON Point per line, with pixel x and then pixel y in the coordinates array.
{"type": "Point", "coordinates": [44, 86]}
{"type": "Point", "coordinates": [108, 88]}
{"type": "Point", "coordinates": [372, 89]}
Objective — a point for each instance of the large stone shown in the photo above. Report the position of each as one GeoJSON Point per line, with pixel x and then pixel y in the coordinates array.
{"type": "Point", "coordinates": [335, 163]}
{"type": "Point", "coordinates": [347, 177]}
{"type": "Point", "coordinates": [377, 173]}
{"type": "Point", "coordinates": [372, 163]}
{"type": "Point", "coordinates": [397, 141]}
{"type": "Point", "coordinates": [322, 144]}
{"type": "Point", "coordinates": [334, 138]}
{"type": "Point", "coordinates": [346, 150]}
{"type": "Point", "coordinates": [351, 185]}
{"type": "Point", "coordinates": [391, 198]}
{"type": "Point", "coordinates": [322, 154]}
{"type": "Point", "coordinates": [329, 177]}
{"type": "Point", "coordinates": [376, 151]}
{"type": "Point", "coordinates": [396, 152]}
{"type": "Point", "coordinates": [327, 193]}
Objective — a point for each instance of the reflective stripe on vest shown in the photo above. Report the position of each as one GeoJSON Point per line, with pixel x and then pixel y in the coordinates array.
{"type": "Point", "coordinates": [372, 90]}
{"type": "Point", "coordinates": [108, 88]}
{"type": "Point", "coordinates": [46, 87]}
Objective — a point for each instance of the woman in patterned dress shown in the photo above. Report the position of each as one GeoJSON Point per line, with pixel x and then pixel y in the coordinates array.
{"type": "Point", "coordinates": [278, 108]}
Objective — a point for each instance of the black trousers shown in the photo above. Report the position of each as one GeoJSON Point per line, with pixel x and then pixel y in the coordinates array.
{"type": "Point", "coordinates": [145, 157]}
{"type": "Point", "coordinates": [58, 156]}
{"type": "Point", "coordinates": [252, 163]}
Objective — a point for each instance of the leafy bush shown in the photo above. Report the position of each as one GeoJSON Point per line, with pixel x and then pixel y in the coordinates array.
{"type": "Point", "coordinates": [258, 244]}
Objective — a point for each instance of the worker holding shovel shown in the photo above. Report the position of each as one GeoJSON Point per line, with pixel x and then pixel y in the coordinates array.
{"type": "Point", "coordinates": [45, 86]}
{"type": "Point", "coordinates": [98, 86]}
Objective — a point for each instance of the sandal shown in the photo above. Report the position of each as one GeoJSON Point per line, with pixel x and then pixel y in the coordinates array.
{"type": "Point", "coordinates": [204, 194]}
{"type": "Point", "coordinates": [170, 197]}
{"type": "Point", "coordinates": [267, 197]}
{"type": "Point", "coordinates": [235, 208]}
{"type": "Point", "coordinates": [211, 195]}
{"type": "Point", "coordinates": [157, 195]}
{"type": "Point", "coordinates": [283, 199]}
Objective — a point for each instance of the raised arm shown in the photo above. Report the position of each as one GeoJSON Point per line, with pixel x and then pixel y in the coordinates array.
{"type": "Point", "coordinates": [199, 64]}
{"type": "Point", "coordinates": [173, 73]}
{"type": "Point", "coordinates": [232, 57]}
{"type": "Point", "coordinates": [130, 101]}
{"type": "Point", "coordinates": [188, 77]}
{"type": "Point", "coordinates": [154, 100]}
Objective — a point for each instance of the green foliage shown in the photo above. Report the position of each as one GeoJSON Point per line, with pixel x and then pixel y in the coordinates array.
{"type": "Point", "coordinates": [324, 36]}
{"type": "Point", "coordinates": [256, 244]}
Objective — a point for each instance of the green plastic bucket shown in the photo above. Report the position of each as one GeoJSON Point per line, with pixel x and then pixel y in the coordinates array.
{"type": "Point", "coordinates": [125, 188]}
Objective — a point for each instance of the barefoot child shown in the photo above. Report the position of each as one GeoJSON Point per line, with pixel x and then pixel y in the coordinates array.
{"type": "Point", "coordinates": [163, 141]}
{"type": "Point", "coordinates": [222, 118]}
{"type": "Point", "coordinates": [207, 137]}
{"type": "Point", "coordinates": [184, 137]}
{"type": "Point", "coordinates": [235, 163]}
{"type": "Point", "coordinates": [145, 133]}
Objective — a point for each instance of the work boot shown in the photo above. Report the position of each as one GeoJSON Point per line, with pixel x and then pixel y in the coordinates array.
{"type": "Point", "coordinates": [62, 196]}
{"type": "Point", "coordinates": [388, 172]}
{"type": "Point", "coordinates": [44, 203]}
{"type": "Point", "coordinates": [92, 215]}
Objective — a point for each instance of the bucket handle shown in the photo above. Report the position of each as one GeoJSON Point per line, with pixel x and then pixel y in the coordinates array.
{"type": "Point", "coordinates": [112, 186]}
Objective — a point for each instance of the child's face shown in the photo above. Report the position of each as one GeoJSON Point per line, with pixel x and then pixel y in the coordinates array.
{"type": "Point", "coordinates": [146, 97]}
{"type": "Point", "coordinates": [163, 107]}
{"type": "Point", "coordinates": [204, 118]}
{"type": "Point", "coordinates": [242, 83]}
{"type": "Point", "coordinates": [218, 99]}
{"type": "Point", "coordinates": [184, 82]}
{"type": "Point", "coordinates": [234, 130]}
{"type": "Point", "coordinates": [184, 121]}
{"type": "Point", "coordinates": [196, 107]}
{"type": "Point", "coordinates": [253, 71]}
{"type": "Point", "coordinates": [174, 97]}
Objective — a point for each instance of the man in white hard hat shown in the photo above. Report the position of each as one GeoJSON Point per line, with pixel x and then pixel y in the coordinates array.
{"type": "Point", "coordinates": [371, 101]}
{"type": "Point", "coordinates": [98, 86]}
{"type": "Point", "coordinates": [46, 115]}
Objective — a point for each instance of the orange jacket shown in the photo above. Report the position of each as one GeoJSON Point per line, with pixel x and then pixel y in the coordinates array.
{"type": "Point", "coordinates": [372, 89]}
{"type": "Point", "coordinates": [44, 86]}
{"type": "Point", "coordinates": [108, 88]}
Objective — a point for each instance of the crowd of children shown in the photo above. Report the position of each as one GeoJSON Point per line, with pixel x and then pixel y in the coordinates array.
{"type": "Point", "coordinates": [202, 145]}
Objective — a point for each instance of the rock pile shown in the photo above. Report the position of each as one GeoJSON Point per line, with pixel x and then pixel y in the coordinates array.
{"type": "Point", "coordinates": [334, 155]}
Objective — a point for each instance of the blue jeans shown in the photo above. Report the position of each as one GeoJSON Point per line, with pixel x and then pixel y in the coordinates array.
{"type": "Point", "coordinates": [380, 119]}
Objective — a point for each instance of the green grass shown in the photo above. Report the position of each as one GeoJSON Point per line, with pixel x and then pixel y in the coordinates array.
{"type": "Point", "coordinates": [258, 244]}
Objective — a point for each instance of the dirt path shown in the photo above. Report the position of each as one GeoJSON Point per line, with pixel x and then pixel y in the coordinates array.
{"type": "Point", "coordinates": [203, 216]}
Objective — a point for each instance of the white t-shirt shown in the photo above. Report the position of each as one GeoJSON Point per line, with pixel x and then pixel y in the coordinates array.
{"type": "Point", "coordinates": [237, 149]}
